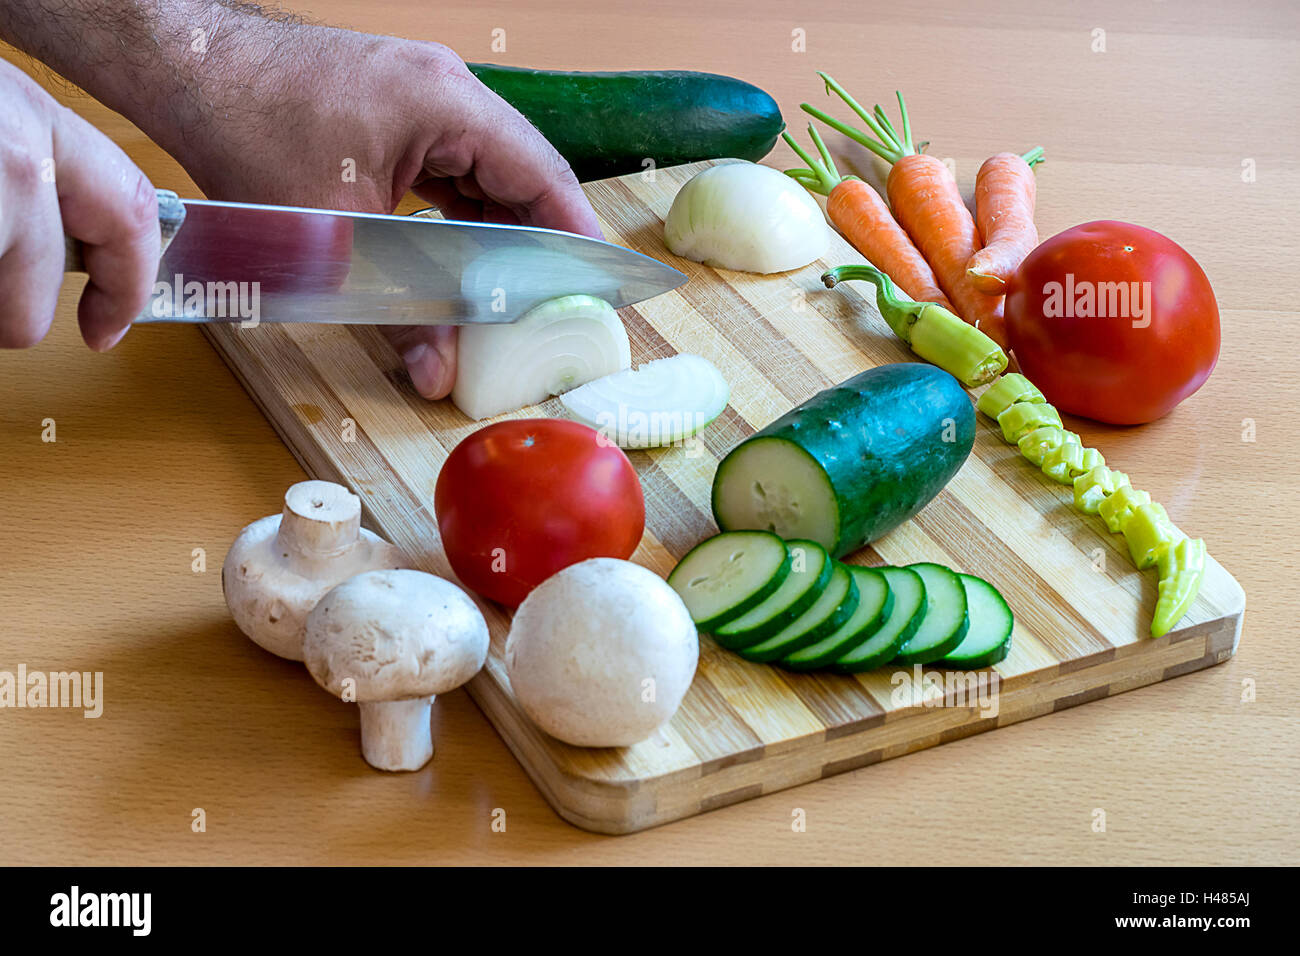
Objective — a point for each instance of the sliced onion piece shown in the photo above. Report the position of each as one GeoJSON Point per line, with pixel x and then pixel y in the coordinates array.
{"type": "Point", "coordinates": [554, 347]}
{"type": "Point", "coordinates": [661, 403]}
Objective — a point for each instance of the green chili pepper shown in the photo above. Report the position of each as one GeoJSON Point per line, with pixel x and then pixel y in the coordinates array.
{"type": "Point", "coordinates": [1027, 420]}
{"type": "Point", "coordinates": [1119, 507]}
{"type": "Point", "coordinates": [930, 330]}
{"type": "Point", "coordinates": [1005, 392]}
{"type": "Point", "coordinates": [1040, 441]}
{"type": "Point", "coordinates": [1148, 533]}
{"type": "Point", "coordinates": [1181, 567]}
{"type": "Point", "coordinates": [1069, 460]}
{"type": "Point", "coordinates": [1020, 419]}
{"type": "Point", "coordinates": [1092, 487]}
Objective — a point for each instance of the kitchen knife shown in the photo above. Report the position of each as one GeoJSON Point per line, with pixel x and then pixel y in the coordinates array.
{"type": "Point", "coordinates": [238, 262]}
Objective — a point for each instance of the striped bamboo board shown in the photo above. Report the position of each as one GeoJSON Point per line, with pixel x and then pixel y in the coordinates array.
{"type": "Point", "coordinates": [342, 403]}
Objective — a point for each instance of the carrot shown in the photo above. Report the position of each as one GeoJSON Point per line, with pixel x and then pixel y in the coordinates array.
{"type": "Point", "coordinates": [862, 217]}
{"type": "Point", "coordinates": [928, 205]}
{"type": "Point", "coordinates": [1004, 211]}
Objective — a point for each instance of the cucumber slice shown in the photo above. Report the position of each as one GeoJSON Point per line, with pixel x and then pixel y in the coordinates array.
{"type": "Point", "coordinates": [724, 576]}
{"type": "Point", "coordinates": [833, 607]}
{"type": "Point", "coordinates": [945, 621]}
{"type": "Point", "coordinates": [989, 638]}
{"type": "Point", "coordinates": [810, 572]}
{"type": "Point", "coordinates": [904, 618]}
{"type": "Point", "coordinates": [875, 601]}
{"type": "Point", "coordinates": [775, 483]}
{"type": "Point", "coordinates": [661, 403]}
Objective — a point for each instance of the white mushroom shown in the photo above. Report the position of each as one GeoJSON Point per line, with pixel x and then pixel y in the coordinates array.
{"type": "Point", "coordinates": [279, 566]}
{"type": "Point", "coordinates": [601, 653]}
{"type": "Point", "coordinates": [391, 641]}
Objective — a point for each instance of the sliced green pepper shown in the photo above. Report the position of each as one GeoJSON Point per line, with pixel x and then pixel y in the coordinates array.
{"type": "Point", "coordinates": [1005, 392]}
{"type": "Point", "coordinates": [1119, 507]}
{"type": "Point", "coordinates": [1035, 426]}
{"type": "Point", "coordinates": [1148, 533]}
{"type": "Point", "coordinates": [1093, 487]}
{"type": "Point", "coordinates": [1182, 568]}
{"type": "Point", "coordinates": [1069, 460]}
{"type": "Point", "coordinates": [1020, 419]}
{"type": "Point", "coordinates": [1040, 441]}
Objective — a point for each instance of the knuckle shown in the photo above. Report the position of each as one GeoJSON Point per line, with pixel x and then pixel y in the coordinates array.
{"type": "Point", "coordinates": [20, 165]}
{"type": "Point", "coordinates": [140, 209]}
{"type": "Point", "coordinates": [442, 60]}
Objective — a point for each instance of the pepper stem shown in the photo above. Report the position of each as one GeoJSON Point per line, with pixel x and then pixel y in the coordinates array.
{"type": "Point", "coordinates": [930, 330]}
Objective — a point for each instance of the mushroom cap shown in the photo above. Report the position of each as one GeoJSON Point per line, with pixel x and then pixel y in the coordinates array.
{"type": "Point", "coordinates": [397, 634]}
{"type": "Point", "coordinates": [585, 642]}
{"type": "Point", "coordinates": [270, 588]}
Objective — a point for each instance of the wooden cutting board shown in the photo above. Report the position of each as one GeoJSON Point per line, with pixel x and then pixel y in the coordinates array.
{"type": "Point", "coordinates": [341, 401]}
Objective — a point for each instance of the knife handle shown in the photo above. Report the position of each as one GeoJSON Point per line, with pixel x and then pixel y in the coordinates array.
{"type": "Point", "coordinates": [171, 213]}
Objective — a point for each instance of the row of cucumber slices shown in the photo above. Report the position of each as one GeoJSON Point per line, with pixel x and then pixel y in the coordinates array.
{"type": "Point", "coordinates": [792, 604]}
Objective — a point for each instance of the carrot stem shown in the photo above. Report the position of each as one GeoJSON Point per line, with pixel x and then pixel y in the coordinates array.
{"type": "Point", "coordinates": [887, 153]}
{"type": "Point", "coordinates": [854, 105]}
{"type": "Point", "coordinates": [1034, 156]}
{"type": "Point", "coordinates": [907, 123]}
{"type": "Point", "coordinates": [888, 143]}
{"type": "Point", "coordinates": [821, 176]}
{"type": "Point", "coordinates": [825, 153]}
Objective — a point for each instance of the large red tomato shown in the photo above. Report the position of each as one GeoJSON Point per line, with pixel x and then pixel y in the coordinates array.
{"type": "Point", "coordinates": [1113, 322]}
{"type": "Point", "coordinates": [519, 500]}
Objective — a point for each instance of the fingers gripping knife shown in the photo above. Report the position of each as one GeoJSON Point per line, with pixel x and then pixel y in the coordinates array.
{"type": "Point", "coordinates": [171, 213]}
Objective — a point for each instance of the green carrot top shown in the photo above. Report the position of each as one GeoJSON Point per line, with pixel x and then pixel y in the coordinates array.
{"type": "Point", "coordinates": [821, 176]}
{"type": "Point", "coordinates": [887, 143]}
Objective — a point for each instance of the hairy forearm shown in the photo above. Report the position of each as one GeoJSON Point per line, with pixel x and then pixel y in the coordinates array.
{"type": "Point", "coordinates": [170, 66]}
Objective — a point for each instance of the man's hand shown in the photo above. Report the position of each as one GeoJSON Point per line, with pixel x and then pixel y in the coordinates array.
{"type": "Point", "coordinates": [59, 175]}
{"type": "Point", "coordinates": [336, 119]}
{"type": "Point", "coordinates": [260, 107]}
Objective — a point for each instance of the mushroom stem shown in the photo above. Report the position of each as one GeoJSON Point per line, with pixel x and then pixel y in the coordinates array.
{"type": "Point", "coordinates": [320, 519]}
{"type": "Point", "coordinates": [396, 734]}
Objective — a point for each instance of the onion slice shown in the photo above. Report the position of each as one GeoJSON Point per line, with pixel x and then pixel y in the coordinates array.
{"type": "Point", "coordinates": [554, 347]}
{"type": "Point", "coordinates": [661, 403]}
{"type": "Point", "coordinates": [746, 217]}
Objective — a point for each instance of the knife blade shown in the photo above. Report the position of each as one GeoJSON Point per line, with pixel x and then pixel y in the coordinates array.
{"type": "Point", "coordinates": [248, 263]}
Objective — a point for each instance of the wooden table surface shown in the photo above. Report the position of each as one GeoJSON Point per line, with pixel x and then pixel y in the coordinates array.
{"type": "Point", "coordinates": [1185, 123]}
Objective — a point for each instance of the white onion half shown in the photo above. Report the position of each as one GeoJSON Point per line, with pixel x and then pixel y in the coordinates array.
{"type": "Point", "coordinates": [661, 403]}
{"type": "Point", "coordinates": [554, 347]}
{"type": "Point", "coordinates": [746, 217]}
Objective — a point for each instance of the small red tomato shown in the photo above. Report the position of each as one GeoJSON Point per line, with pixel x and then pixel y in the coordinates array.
{"type": "Point", "coordinates": [519, 500]}
{"type": "Point", "coordinates": [1113, 322]}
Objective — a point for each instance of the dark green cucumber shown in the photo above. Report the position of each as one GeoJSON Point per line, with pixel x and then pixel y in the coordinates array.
{"type": "Point", "coordinates": [608, 124]}
{"type": "Point", "coordinates": [851, 463]}
{"type": "Point", "coordinates": [810, 572]}
{"type": "Point", "coordinates": [832, 608]}
{"type": "Point", "coordinates": [945, 622]}
{"type": "Point", "coordinates": [988, 640]}
{"type": "Point", "coordinates": [724, 576]}
{"type": "Point", "coordinates": [875, 601]}
{"type": "Point", "coordinates": [908, 591]}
